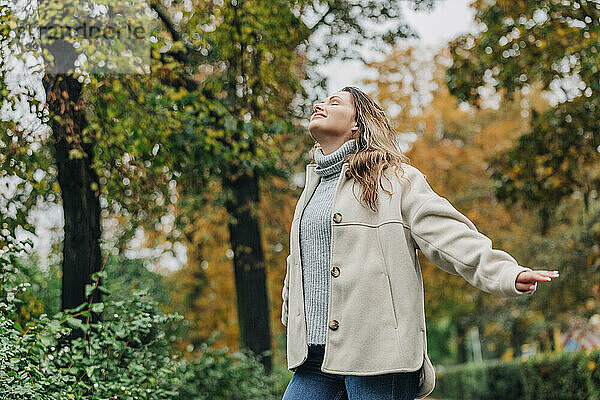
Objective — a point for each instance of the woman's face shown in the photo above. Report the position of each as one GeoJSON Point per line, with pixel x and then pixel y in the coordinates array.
{"type": "Point", "coordinates": [333, 118]}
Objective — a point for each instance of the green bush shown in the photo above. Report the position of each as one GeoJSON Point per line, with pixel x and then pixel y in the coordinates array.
{"type": "Point", "coordinates": [593, 365]}
{"type": "Point", "coordinates": [494, 379]}
{"type": "Point", "coordinates": [129, 354]}
{"type": "Point", "coordinates": [504, 380]}
{"type": "Point", "coordinates": [555, 376]}
{"type": "Point", "coordinates": [216, 376]}
{"type": "Point", "coordinates": [563, 376]}
{"type": "Point", "coordinates": [446, 383]}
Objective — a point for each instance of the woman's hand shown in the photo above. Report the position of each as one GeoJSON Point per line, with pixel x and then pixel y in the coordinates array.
{"type": "Point", "coordinates": [526, 280]}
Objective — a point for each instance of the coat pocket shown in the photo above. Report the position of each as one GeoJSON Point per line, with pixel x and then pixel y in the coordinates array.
{"type": "Point", "coordinates": [388, 283]}
{"type": "Point", "coordinates": [391, 299]}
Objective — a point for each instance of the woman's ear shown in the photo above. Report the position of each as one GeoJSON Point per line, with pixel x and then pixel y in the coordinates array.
{"type": "Point", "coordinates": [354, 131]}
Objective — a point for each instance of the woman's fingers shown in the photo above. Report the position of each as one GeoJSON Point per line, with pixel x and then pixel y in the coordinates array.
{"type": "Point", "coordinates": [524, 286]}
{"type": "Point", "coordinates": [544, 276]}
{"type": "Point", "coordinates": [528, 279]}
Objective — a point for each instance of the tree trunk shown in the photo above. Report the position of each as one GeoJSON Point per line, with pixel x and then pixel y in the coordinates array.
{"type": "Point", "coordinates": [544, 214]}
{"type": "Point", "coordinates": [81, 205]}
{"type": "Point", "coordinates": [461, 335]}
{"type": "Point", "coordinates": [250, 275]}
{"type": "Point", "coordinates": [517, 336]}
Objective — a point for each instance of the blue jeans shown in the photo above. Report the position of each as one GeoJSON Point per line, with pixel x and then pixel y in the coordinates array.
{"type": "Point", "coordinates": [310, 383]}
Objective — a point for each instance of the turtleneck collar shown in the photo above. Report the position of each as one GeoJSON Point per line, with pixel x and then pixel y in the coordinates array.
{"type": "Point", "coordinates": [331, 164]}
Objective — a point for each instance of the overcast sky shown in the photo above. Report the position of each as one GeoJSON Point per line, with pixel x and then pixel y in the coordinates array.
{"type": "Point", "coordinates": [449, 19]}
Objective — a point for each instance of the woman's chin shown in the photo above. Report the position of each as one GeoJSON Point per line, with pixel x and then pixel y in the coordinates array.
{"type": "Point", "coordinates": [314, 122]}
{"type": "Point", "coordinates": [315, 130]}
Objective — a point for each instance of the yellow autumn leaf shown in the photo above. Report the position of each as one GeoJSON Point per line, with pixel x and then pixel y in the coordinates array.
{"type": "Point", "coordinates": [178, 95]}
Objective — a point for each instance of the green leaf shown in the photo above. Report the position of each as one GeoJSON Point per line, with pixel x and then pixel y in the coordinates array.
{"type": "Point", "coordinates": [89, 288]}
{"type": "Point", "coordinates": [97, 307]}
{"type": "Point", "coordinates": [74, 322]}
{"type": "Point", "coordinates": [89, 371]}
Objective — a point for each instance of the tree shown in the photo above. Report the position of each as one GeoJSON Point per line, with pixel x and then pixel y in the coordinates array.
{"type": "Point", "coordinates": [523, 43]}
{"type": "Point", "coordinates": [67, 159]}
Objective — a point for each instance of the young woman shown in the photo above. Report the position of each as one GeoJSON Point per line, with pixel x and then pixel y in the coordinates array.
{"type": "Point", "coordinates": [353, 292]}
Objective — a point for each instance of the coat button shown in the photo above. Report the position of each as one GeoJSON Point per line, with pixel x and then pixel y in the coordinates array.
{"type": "Point", "coordinates": [333, 324]}
{"type": "Point", "coordinates": [337, 217]}
{"type": "Point", "coordinates": [335, 272]}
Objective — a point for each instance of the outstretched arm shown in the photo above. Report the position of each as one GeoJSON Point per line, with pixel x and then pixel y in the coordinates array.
{"type": "Point", "coordinates": [453, 243]}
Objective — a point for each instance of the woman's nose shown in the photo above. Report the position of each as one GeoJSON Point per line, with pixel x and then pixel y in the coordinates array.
{"type": "Point", "coordinates": [318, 107]}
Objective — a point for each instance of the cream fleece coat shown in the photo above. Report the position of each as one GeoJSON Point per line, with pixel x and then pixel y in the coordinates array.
{"type": "Point", "coordinates": [376, 316]}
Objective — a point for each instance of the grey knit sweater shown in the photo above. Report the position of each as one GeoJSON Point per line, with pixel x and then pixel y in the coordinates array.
{"type": "Point", "coordinates": [315, 239]}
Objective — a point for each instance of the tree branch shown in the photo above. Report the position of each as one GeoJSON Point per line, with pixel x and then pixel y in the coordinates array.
{"type": "Point", "coordinates": [190, 84]}
{"type": "Point", "coordinates": [162, 14]}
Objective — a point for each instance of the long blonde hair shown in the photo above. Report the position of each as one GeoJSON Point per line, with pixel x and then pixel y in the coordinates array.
{"type": "Point", "coordinates": [376, 148]}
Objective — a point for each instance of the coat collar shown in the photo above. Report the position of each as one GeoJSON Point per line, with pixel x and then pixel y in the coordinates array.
{"type": "Point", "coordinates": [311, 176]}
{"type": "Point", "coordinates": [312, 179]}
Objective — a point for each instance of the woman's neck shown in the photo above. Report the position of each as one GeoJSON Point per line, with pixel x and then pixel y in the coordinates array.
{"type": "Point", "coordinates": [331, 164]}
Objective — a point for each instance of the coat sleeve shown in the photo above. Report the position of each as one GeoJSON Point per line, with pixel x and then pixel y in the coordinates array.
{"type": "Point", "coordinates": [451, 241]}
{"type": "Point", "coordinates": [285, 292]}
